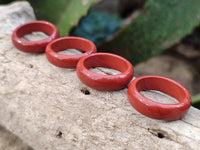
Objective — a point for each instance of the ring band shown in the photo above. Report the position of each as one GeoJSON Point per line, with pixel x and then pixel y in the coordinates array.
{"type": "Point", "coordinates": [105, 82]}
{"type": "Point", "coordinates": [156, 110]}
{"type": "Point", "coordinates": [34, 26]}
{"type": "Point", "coordinates": [68, 61]}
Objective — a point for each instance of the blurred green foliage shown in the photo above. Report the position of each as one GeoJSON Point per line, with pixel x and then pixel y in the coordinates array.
{"type": "Point", "coordinates": [97, 27]}
{"type": "Point", "coordinates": [159, 26]}
{"type": "Point", "coordinates": [65, 14]}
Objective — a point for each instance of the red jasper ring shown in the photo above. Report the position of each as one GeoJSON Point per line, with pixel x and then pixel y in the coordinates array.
{"type": "Point", "coordinates": [154, 109]}
{"type": "Point", "coordinates": [34, 26]}
{"type": "Point", "coordinates": [68, 61]}
{"type": "Point", "coordinates": [105, 82]}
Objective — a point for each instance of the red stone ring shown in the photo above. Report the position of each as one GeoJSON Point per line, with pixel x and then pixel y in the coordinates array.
{"type": "Point", "coordinates": [105, 82]}
{"type": "Point", "coordinates": [68, 61]}
{"type": "Point", "coordinates": [154, 109]}
{"type": "Point", "coordinates": [34, 26]}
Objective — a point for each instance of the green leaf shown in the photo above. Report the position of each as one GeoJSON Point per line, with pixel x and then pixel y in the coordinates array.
{"type": "Point", "coordinates": [65, 14]}
{"type": "Point", "coordinates": [162, 24]}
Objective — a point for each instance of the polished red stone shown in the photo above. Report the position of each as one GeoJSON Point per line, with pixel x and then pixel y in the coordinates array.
{"type": "Point", "coordinates": [34, 26]}
{"type": "Point", "coordinates": [155, 109]}
{"type": "Point", "coordinates": [105, 82]}
{"type": "Point", "coordinates": [70, 42]}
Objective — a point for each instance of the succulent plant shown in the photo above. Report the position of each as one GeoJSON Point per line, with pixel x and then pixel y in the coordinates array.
{"type": "Point", "coordinates": [97, 27]}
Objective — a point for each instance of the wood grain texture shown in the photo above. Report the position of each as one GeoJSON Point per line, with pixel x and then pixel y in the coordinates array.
{"type": "Point", "coordinates": [50, 108]}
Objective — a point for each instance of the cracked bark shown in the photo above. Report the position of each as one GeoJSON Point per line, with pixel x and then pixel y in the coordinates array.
{"type": "Point", "coordinates": [49, 108]}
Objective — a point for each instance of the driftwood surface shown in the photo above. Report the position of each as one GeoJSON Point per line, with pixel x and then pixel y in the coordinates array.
{"type": "Point", "coordinates": [50, 108]}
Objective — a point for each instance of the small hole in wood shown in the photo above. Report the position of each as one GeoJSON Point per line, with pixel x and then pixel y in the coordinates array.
{"type": "Point", "coordinates": [30, 66]}
{"type": "Point", "coordinates": [59, 134]}
{"type": "Point", "coordinates": [85, 91]}
{"type": "Point", "coordinates": [156, 133]}
{"type": "Point", "coordinates": [160, 135]}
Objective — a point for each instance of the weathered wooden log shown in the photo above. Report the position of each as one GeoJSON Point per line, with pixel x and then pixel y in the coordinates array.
{"type": "Point", "coordinates": [50, 108]}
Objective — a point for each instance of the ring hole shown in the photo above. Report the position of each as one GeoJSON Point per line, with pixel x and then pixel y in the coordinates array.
{"type": "Point", "coordinates": [70, 52]}
{"type": "Point", "coordinates": [105, 70]}
{"type": "Point", "coordinates": [35, 36]}
{"type": "Point", "coordinates": [106, 63]}
{"type": "Point", "coordinates": [159, 96]}
{"type": "Point", "coordinates": [85, 91]}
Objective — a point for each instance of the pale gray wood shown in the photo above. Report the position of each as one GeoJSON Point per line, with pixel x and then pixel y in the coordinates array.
{"type": "Point", "coordinates": [46, 106]}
